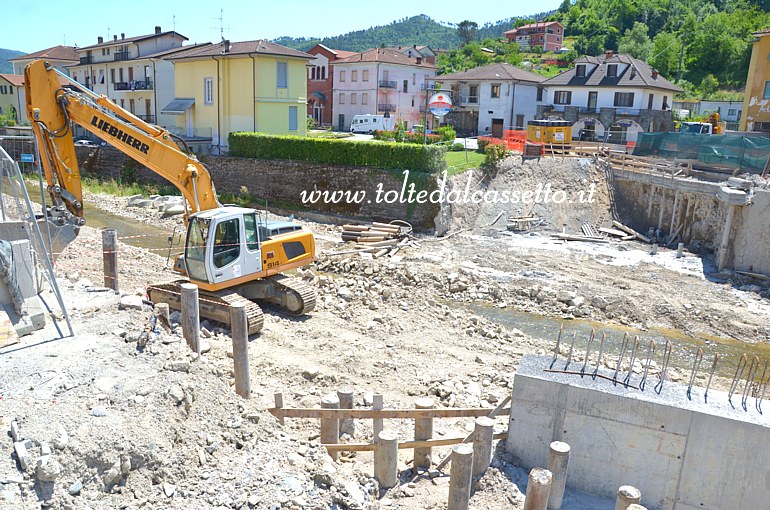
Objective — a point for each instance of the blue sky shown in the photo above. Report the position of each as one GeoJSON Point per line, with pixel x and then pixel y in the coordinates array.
{"type": "Point", "coordinates": [32, 25]}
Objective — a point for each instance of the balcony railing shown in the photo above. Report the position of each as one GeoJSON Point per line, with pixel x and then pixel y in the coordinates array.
{"type": "Point", "coordinates": [469, 100]}
{"type": "Point", "coordinates": [628, 111]}
{"type": "Point", "coordinates": [387, 84]}
{"type": "Point", "coordinates": [133, 85]}
{"type": "Point", "coordinates": [86, 60]}
{"type": "Point", "coordinates": [120, 55]}
{"type": "Point", "coordinates": [428, 86]}
{"type": "Point", "coordinates": [385, 107]}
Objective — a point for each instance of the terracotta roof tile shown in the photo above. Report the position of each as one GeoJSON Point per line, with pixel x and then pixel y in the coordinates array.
{"type": "Point", "coordinates": [499, 72]}
{"type": "Point", "coordinates": [53, 53]}
{"type": "Point", "coordinates": [260, 46]}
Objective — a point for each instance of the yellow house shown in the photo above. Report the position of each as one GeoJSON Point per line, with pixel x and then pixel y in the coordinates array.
{"type": "Point", "coordinates": [756, 101]}
{"type": "Point", "coordinates": [242, 86]}
{"type": "Point", "coordinates": [11, 101]}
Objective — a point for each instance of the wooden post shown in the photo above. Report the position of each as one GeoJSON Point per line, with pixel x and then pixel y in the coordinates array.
{"type": "Point", "coordinates": [376, 423]}
{"type": "Point", "coordinates": [680, 250]}
{"type": "Point", "coordinates": [279, 405]}
{"type": "Point", "coordinates": [627, 496]}
{"type": "Point", "coordinates": [191, 326]}
{"type": "Point", "coordinates": [423, 429]}
{"type": "Point", "coordinates": [386, 459]}
{"type": "Point", "coordinates": [347, 425]}
{"type": "Point", "coordinates": [725, 243]}
{"type": "Point", "coordinates": [460, 476]}
{"type": "Point", "coordinates": [162, 312]}
{"type": "Point", "coordinates": [653, 189]}
{"type": "Point", "coordinates": [482, 445]}
{"type": "Point", "coordinates": [662, 208]}
{"type": "Point", "coordinates": [674, 209]}
{"type": "Point", "coordinates": [239, 330]}
{"type": "Point", "coordinates": [110, 258]}
{"type": "Point", "coordinates": [538, 489]}
{"type": "Point", "coordinates": [330, 427]}
{"type": "Point", "coordinates": [558, 459]}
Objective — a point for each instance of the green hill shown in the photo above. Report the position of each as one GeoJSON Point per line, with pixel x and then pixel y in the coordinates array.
{"type": "Point", "coordinates": [5, 66]}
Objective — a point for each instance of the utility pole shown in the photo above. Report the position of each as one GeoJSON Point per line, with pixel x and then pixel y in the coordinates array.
{"type": "Point", "coordinates": [681, 57]}
{"type": "Point", "coordinates": [425, 115]}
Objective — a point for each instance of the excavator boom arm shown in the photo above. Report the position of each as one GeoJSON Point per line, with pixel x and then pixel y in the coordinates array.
{"type": "Point", "coordinates": [51, 108]}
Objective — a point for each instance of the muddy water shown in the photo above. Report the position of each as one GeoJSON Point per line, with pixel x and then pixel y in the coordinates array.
{"type": "Point", "coordinates": [133, 232]}
{"type": "Point", "coordinates": [684, 348]}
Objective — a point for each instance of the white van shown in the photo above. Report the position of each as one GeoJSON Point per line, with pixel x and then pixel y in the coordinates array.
{"type": "Point", "coordinates": [370, 123]}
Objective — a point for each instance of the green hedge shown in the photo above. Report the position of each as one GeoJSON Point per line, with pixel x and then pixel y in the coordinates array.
{"type": "Point", "coordinates": [398, 156]}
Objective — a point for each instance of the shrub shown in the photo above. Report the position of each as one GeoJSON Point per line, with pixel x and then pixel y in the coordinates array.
{"type": "Point", "coordinates": [413, 137]}
{"type": "Point", "coordinates": [494, 152]}
{"type": "Point", "coordinates": [381, 134]}
{"type": "Point", "coordinates": [486, 140]}
{"type": "Point", "coordinates": [447, 134]}
{"type": "Point", "coordinates": [457, 147]}
{"type": "Point", "coordinates": [397, 156]}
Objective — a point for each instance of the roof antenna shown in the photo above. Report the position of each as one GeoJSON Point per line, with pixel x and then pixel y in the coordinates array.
{"type": "Point", "coordinates": [173, 22]}
{"type": "Point", "coordinates": [221, 24]}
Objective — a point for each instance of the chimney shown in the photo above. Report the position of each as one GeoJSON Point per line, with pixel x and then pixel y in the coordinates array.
{"type": "Point", "coordinates": [122, 35]}
{"type": "Point", "coordinates": [607, 54]}
{"type": "Point", "coordinates": [654, 74]}
{"type": "Point", "coordinates": [157, 29]}
{"type": "Point", "coordinates": [115, 37]}
{"type": "Point", "coordinates": [226, 44]}
{"type": "Point", "coordinates": [100, 39]}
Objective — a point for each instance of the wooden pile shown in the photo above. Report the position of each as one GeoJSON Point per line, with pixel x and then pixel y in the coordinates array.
{"type": "Point", "coordinates": [379, 238]}
{"type": "Point", "coordinates": [594, 235]}
{"type": "Point", "coordinates": [523, 223]}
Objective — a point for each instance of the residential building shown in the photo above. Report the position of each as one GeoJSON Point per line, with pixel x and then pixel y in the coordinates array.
{"type": "Point", "coordinates": [548, 35]}
{"type": "Point", "coordinates": [756, 100]}
{"type": "Point", "coordinates": [490, 99]}
{"type": "Point", "coordinates": [425, 52]}
{"type": "Point", "coordinates": [611, 98]}
{"type": "Point", "coordinates": [320, 83]}
{"type": "Point", "coordinates": [241, 86]}
{"type": "Point", "coordinates": [382, 81]}
{"type": "Point", "coordinates": [11, 94]}
{"type": "Point", "coordinates": [61, 57]}
{"type": "Point", "coordinates": [132, 71]}
{"type": "Point", "coordinates": [729, 111]}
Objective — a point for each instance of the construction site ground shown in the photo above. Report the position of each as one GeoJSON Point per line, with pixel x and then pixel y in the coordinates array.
{"type": "Point", "coordinates": [134, 420]}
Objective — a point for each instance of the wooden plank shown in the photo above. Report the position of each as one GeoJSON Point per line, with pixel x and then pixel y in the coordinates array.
{"type": "Point", "coordinates": [8, 334]}
{"type": "Point", "coordinates": [631, 231]}
{"type": "Point", "coordinates": [578, 237]}
{"type": "Point", "coordinates": [384, 414]}
{"type": "Point", "coordinates": [406, 445]}
{"type": "Point", "coordinates": [612, 232]}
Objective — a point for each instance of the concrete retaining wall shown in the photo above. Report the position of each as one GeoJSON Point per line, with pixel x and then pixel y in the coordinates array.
{"type": "Point", "coordinates": [682, 454]}
{"type": "Point", "coordinates": [281, 184]}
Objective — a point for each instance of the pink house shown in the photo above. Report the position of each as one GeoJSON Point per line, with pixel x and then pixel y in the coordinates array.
{"type": "Point", "coordinates": [547, 34]}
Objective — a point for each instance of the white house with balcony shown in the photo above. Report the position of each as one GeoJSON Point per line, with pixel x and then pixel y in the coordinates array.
{"type": "Point", "coordinates": [610, 98]}
{"type": "Point", "coordinates": [133, 72]}
{"type": "Point", "coordinates": [488, 100]}
{"type": "Point", "coordinates": [381, 81]}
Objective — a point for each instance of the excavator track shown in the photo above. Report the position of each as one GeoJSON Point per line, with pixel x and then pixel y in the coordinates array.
{"type": "Point", "coordinates": [212, 305]}
{"type": "Point", "coordinates": [299, 294]}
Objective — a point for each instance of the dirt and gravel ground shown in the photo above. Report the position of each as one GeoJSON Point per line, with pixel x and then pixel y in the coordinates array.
{"type": "Point", "coordinates": [133, 420]}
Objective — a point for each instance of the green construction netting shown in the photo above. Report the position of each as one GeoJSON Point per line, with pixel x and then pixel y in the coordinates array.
{"type": "Point", "coordinates": [748, 154]}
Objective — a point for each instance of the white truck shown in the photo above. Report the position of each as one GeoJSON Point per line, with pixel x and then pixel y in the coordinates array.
{"type": "Point", "coordinates": [370, 123]}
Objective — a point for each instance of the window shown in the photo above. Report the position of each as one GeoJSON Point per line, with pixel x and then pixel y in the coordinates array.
{"type": "Point", "coordinates": [766, 94]}
{"type": "Point", "coordinates": [406, 86]}
{"type": "Point", "coordinates": [250, 226]}
{"type": "Point", "coordinates": [495, 90]}
{"type": "Point", "coordinates": [364, 98]}
{"type": "Point", "coordinates": [312, 72]}
{"type": "Point", "coordinates": [282, 79]}
{"type": "Point", "coordinates": [562, 97]}
{"type": "Point", "coordinates": [540, 93]}
{"type": "Point", "coordinates": [612, 70]}
{"type": "Point", "coordinates": [732, 111]}
{"type": "Point", "coordinates": [365, 75]}
{"type": "Point", "coordinates": [323, 73]}
{"type": "Point", "coordinates": [353, 75]}
{"type": "Point", "coordinates": [580, 70]}
{"type": "Point", "coordinates": [342, 98]}
{"type": "Point", "coordinates": [120, 74]}
{"type": "Point", "coordinates": [208, 90]}
{"type": "Point", "coordinates": [342, 75]}
{"type": "Point", "coordinates": [292, 118]}
{"type": "Point", "coordinates": [112, 75]}
{"type": "Point", "coordinates": [414, 78]}
{"type": "Point", "coordinates": [353, 98]}
{"type": "Point", "coordinates": [665, 103]}
{"type": "Point", "coordinates": [624, 98]}
{"type": "Point", "coordinates": [227, 243]}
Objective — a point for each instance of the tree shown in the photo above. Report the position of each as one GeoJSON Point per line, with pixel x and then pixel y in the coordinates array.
{"type": "Point", "coordinates": [636, 42]}
{"type": "Point", "coordinates": [467, 31]}
{"type": "Point", "coordinates": [709, 86]}
{"type": "Point", "coordinates": [664, 54]}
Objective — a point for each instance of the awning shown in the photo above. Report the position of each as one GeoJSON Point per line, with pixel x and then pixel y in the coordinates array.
{"type": "Point", "coordinates": [320, 95]}
{"type": "Point", "coordinates": [178, 106]}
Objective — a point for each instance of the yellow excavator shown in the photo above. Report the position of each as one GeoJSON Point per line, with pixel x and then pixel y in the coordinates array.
{"type": "Point", "coordinates": [711, 125]}
{"type": "Point", "coordinates": [233, 254]}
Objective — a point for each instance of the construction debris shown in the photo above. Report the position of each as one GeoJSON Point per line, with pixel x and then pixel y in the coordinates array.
{"type": "Point", "coordinates": [378, 238]}
{"type": "Point", "coordinates": [523, 223]}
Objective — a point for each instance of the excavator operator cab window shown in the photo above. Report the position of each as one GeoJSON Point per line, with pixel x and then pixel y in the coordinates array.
{"type": "Point", "coordinates": [195, 252]}
{"type": "Point", "coordinates": [227, 242]}
{"type": "Point", "coordinates": [252, 232]}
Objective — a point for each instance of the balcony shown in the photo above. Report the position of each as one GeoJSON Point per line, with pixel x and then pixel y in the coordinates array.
{"type": "Point", "coordinates": [388, 84]}
{"type": "Point", "coordinates": [554, 108]}
{"type": "Point", "coordinates": [120, 55]}
{"type": "Point", "coordinates": [428, 86]}
{"type": "Point", "coordinates": [628, 112]}
{"type": "Point", "coordinates": [86, 60]}
{"type": "Point", "coordinates": [133, 85]}
{"type": "Point", "coordinates": [468, 101]}
{"type": "Point", "coordinates": [385, 107]}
